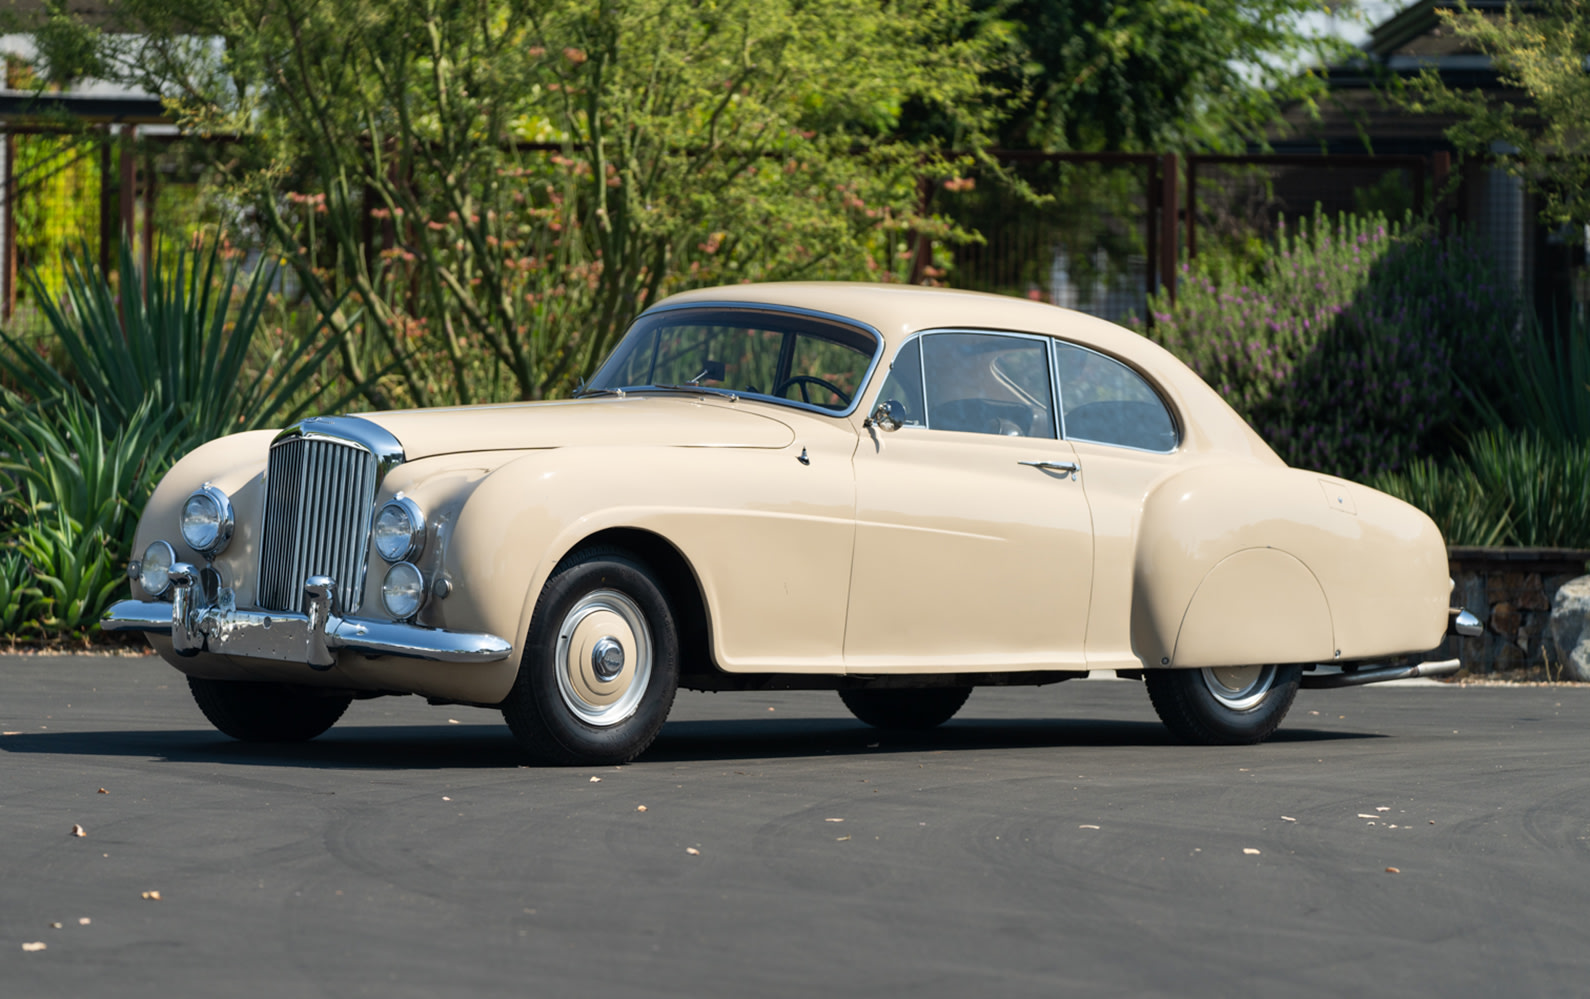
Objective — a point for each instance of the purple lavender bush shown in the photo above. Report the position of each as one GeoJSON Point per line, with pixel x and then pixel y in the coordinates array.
{"type": "Point", "coordinates": [1343, 346]}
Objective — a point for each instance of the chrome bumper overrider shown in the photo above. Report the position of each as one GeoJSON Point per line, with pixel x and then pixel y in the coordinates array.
{"type": "Point", "coordinates": [312, 638]}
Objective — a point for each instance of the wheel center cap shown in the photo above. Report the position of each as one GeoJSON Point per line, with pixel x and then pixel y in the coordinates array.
{"type": "Point", "coordinates": [607, 658]}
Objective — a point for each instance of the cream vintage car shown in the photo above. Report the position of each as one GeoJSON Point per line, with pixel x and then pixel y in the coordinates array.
{"type": "Point", "coordinates": [897, 493]}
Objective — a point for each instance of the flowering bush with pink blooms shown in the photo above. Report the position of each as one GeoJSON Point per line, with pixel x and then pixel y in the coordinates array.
{"type": "Point", "coordinates": [1354, 346]}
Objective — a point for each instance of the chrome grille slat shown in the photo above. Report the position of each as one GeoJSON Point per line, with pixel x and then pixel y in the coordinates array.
{"type": "Point", "coordinates": [319, 492]}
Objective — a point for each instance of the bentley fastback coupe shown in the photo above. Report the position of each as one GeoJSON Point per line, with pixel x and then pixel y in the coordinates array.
{"type": "Point", "coordinates": [893, 492]}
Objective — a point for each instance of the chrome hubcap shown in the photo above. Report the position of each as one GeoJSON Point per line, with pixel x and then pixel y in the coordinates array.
{"type": "Point", "coordinates": [603, 657]}
{"type": "Point", "coordinates": [1239, 688]}
{"type": "Point", "coordinates": [607, 658]}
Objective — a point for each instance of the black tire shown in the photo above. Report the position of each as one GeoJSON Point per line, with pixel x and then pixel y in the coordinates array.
{"type": "Point", "coordinates": [905, 710]}
{"type": "Point", "coordinates": [557, 709]}
{"type": "Point", "coordinates": [1223, 707]}
{"type": "Point", "coordinates": [268, 712]}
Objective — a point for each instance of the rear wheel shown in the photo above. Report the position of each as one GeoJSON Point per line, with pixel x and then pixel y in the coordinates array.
{"type": "Point", "coordinates": [267, 712]}
{"type": "Point", "coordinates": [1223, 705]}
{"type": "Point", "coordinates": [905, 710]}
{"type": "Point", "coordinates": [600, 664]}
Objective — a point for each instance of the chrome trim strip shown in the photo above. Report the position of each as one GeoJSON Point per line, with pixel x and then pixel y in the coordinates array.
{"type": "Point", "coordinates": [223, 629]}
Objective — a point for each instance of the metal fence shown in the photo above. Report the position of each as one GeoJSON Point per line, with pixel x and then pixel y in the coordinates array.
{"type": "Point", "coordinates": [1083, 231]}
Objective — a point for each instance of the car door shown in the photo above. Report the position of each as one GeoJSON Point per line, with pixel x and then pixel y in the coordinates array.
{"type": "Point", "coordinates": [973, 536]}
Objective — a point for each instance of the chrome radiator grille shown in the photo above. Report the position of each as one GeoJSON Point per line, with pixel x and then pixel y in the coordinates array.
{"type": "Point", "coordinates": [318, 498]}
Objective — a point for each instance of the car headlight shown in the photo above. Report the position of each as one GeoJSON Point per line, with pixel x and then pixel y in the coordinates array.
{"type": "Point", "coordinates": [403, 590]}
{"type": "Point", "coordinates": [399, 531]}
{"type": "Point", "coordinates": [154, 572]}
{"type": "Point", "coordinates": [206, 521]}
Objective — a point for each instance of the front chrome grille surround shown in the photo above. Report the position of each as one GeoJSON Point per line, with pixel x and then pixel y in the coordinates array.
{"type": "Point", "coordinates": [319, 500]}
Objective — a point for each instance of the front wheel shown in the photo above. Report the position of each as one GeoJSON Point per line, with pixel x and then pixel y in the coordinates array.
{"type": "Point", "coordinates": [267, 712]}
{"type": "Point", "coordinates": [1223, 705]}
{"type": "Point", "coordinates": [600, 664]}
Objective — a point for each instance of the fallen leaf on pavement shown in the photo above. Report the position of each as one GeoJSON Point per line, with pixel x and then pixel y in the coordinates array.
{"type": "Point", "coordinates": [103, 791]}
{"type": "Point", "coordinates": [35, 945]}
{"type": "Point", "coordinates": [640, 808]}
{"type": "Point", "coordinates": [152, 896]}
{"type": "Point", "coordinates": [1382, 808]}
{"type": "Point", "coordinates": [452, 721]}
{"type": "Point", "coordinates": [78, 830]}
{"type": "Point", "coordinates": [692, 851]}
{"type": "Point", "coordinates": [840, 839]}
{"type": "Point", "coordinates": [1250, 851]}
{"type": "Point", "coordinates": [596, 780]}
{"type": "Point", "coordinates": [55, 926]}
{"type": "Point", "coordinates": [1287, 818]}
{"type": "Point", "coordinates": [446, 798]}
{"type": "Point", "coordinates": [83, 921]}
{"type": "Point", "coordinates": [1393, 870]}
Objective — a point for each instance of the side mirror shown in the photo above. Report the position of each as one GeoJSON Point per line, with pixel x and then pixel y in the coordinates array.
{"type": "Point", "coordinates": [889, 415]}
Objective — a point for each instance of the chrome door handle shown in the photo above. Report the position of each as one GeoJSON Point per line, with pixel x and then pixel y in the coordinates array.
{"type": "Point", "coordinates": [1053, 466]}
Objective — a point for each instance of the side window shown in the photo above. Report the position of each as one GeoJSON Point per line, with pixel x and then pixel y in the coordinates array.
{"type": "Point", "coordinates": [1105, 402]}
{"type": "Point", "coordinates": [904, 384]}
{"type": "Point", "coordinates": [984, 383]}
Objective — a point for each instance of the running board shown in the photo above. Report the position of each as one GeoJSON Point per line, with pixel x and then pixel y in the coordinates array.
{"type": "Point", "coordinates": [1357, 676]}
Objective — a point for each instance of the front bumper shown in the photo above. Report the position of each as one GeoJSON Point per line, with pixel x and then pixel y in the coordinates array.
{"type": "Point", "coordinates": [313, 638]}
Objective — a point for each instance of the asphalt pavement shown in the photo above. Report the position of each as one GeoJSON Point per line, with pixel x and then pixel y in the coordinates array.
{"type": "Point", "coordinates": [1052, 841]}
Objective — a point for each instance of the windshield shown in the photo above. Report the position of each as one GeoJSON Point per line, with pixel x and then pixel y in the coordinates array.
{"type": "Point", "coordinates": [793, 358]}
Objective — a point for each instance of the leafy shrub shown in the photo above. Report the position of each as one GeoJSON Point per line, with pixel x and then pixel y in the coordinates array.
{"type": "Point", "coordinates": [1343, 349]}
{"type": "Point", "coordinates": [76, 497]}
{"type": "Point", "coordinates": [151, 370]}
{"type": "Point", "coordinates": [1550, 383]}
{"type": "Point", "coordinates": [1512, 488]}
{"type": "Point", "coordinates": [18, 596]}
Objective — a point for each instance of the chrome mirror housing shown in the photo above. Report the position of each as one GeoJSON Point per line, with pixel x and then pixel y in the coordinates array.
{"type": "Point", "coordinates": [889, 415]}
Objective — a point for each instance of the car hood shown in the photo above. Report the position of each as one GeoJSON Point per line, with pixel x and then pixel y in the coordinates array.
{"type": "Point", "coordinates": [662, 421]}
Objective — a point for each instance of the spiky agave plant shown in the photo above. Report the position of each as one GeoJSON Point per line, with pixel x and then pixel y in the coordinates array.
{"type": "Point", "coordinates": [179, 337]}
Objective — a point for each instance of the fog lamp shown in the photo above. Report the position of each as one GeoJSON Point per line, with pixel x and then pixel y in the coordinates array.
{"type": "Point", "coordinates": [403, 590]}
{"type": "Point", "coordinates": [154, 572]}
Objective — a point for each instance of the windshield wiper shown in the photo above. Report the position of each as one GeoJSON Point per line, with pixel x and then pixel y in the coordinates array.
{"type": "Point", "coordinates": [690, 387]}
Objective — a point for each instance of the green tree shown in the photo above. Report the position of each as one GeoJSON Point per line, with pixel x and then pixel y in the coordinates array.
{"type": "Point", "coordinates": [1155, 74]}
{"type": "Point", "coordinates": [1538, 51]}
{"type": "Point", "coordinates": [499, 185]}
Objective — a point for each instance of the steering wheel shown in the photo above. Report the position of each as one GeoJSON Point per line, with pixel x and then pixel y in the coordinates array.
{"type": "Point", "coordinates": [805, 380]}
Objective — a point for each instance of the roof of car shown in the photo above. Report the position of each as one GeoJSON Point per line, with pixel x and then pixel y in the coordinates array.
{"type": "Point", "coordinates": [898, 310]}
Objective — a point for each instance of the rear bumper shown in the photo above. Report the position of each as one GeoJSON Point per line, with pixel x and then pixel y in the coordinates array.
{"type": "Point", "coordinates": [312, 638]}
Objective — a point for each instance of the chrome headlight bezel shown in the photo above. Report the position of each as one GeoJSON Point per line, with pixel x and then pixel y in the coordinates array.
{"type": "Point", "coordinates": [413, 540]}
{"type": "Point", "coordinates": [154, 569]}
{"type": "Point", "coordinates": [208, 544]}
{"type": "Point", "coordinates": [414, 585]}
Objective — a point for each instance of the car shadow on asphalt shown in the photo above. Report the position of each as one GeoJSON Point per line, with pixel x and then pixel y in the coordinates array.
{"type": "Point", "coordinates": [439, 747]}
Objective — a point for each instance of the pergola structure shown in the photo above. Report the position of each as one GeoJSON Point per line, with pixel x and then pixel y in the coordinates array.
{"type": "Point", "coordinates": [108, 122]}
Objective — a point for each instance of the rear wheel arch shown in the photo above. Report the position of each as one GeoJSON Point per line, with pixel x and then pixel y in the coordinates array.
{"type": "Point", "coordinates": [1256, 605]}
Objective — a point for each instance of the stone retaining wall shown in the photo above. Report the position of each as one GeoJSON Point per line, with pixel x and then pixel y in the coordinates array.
{"type": "Point", "coordinates": [1510, 589]}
